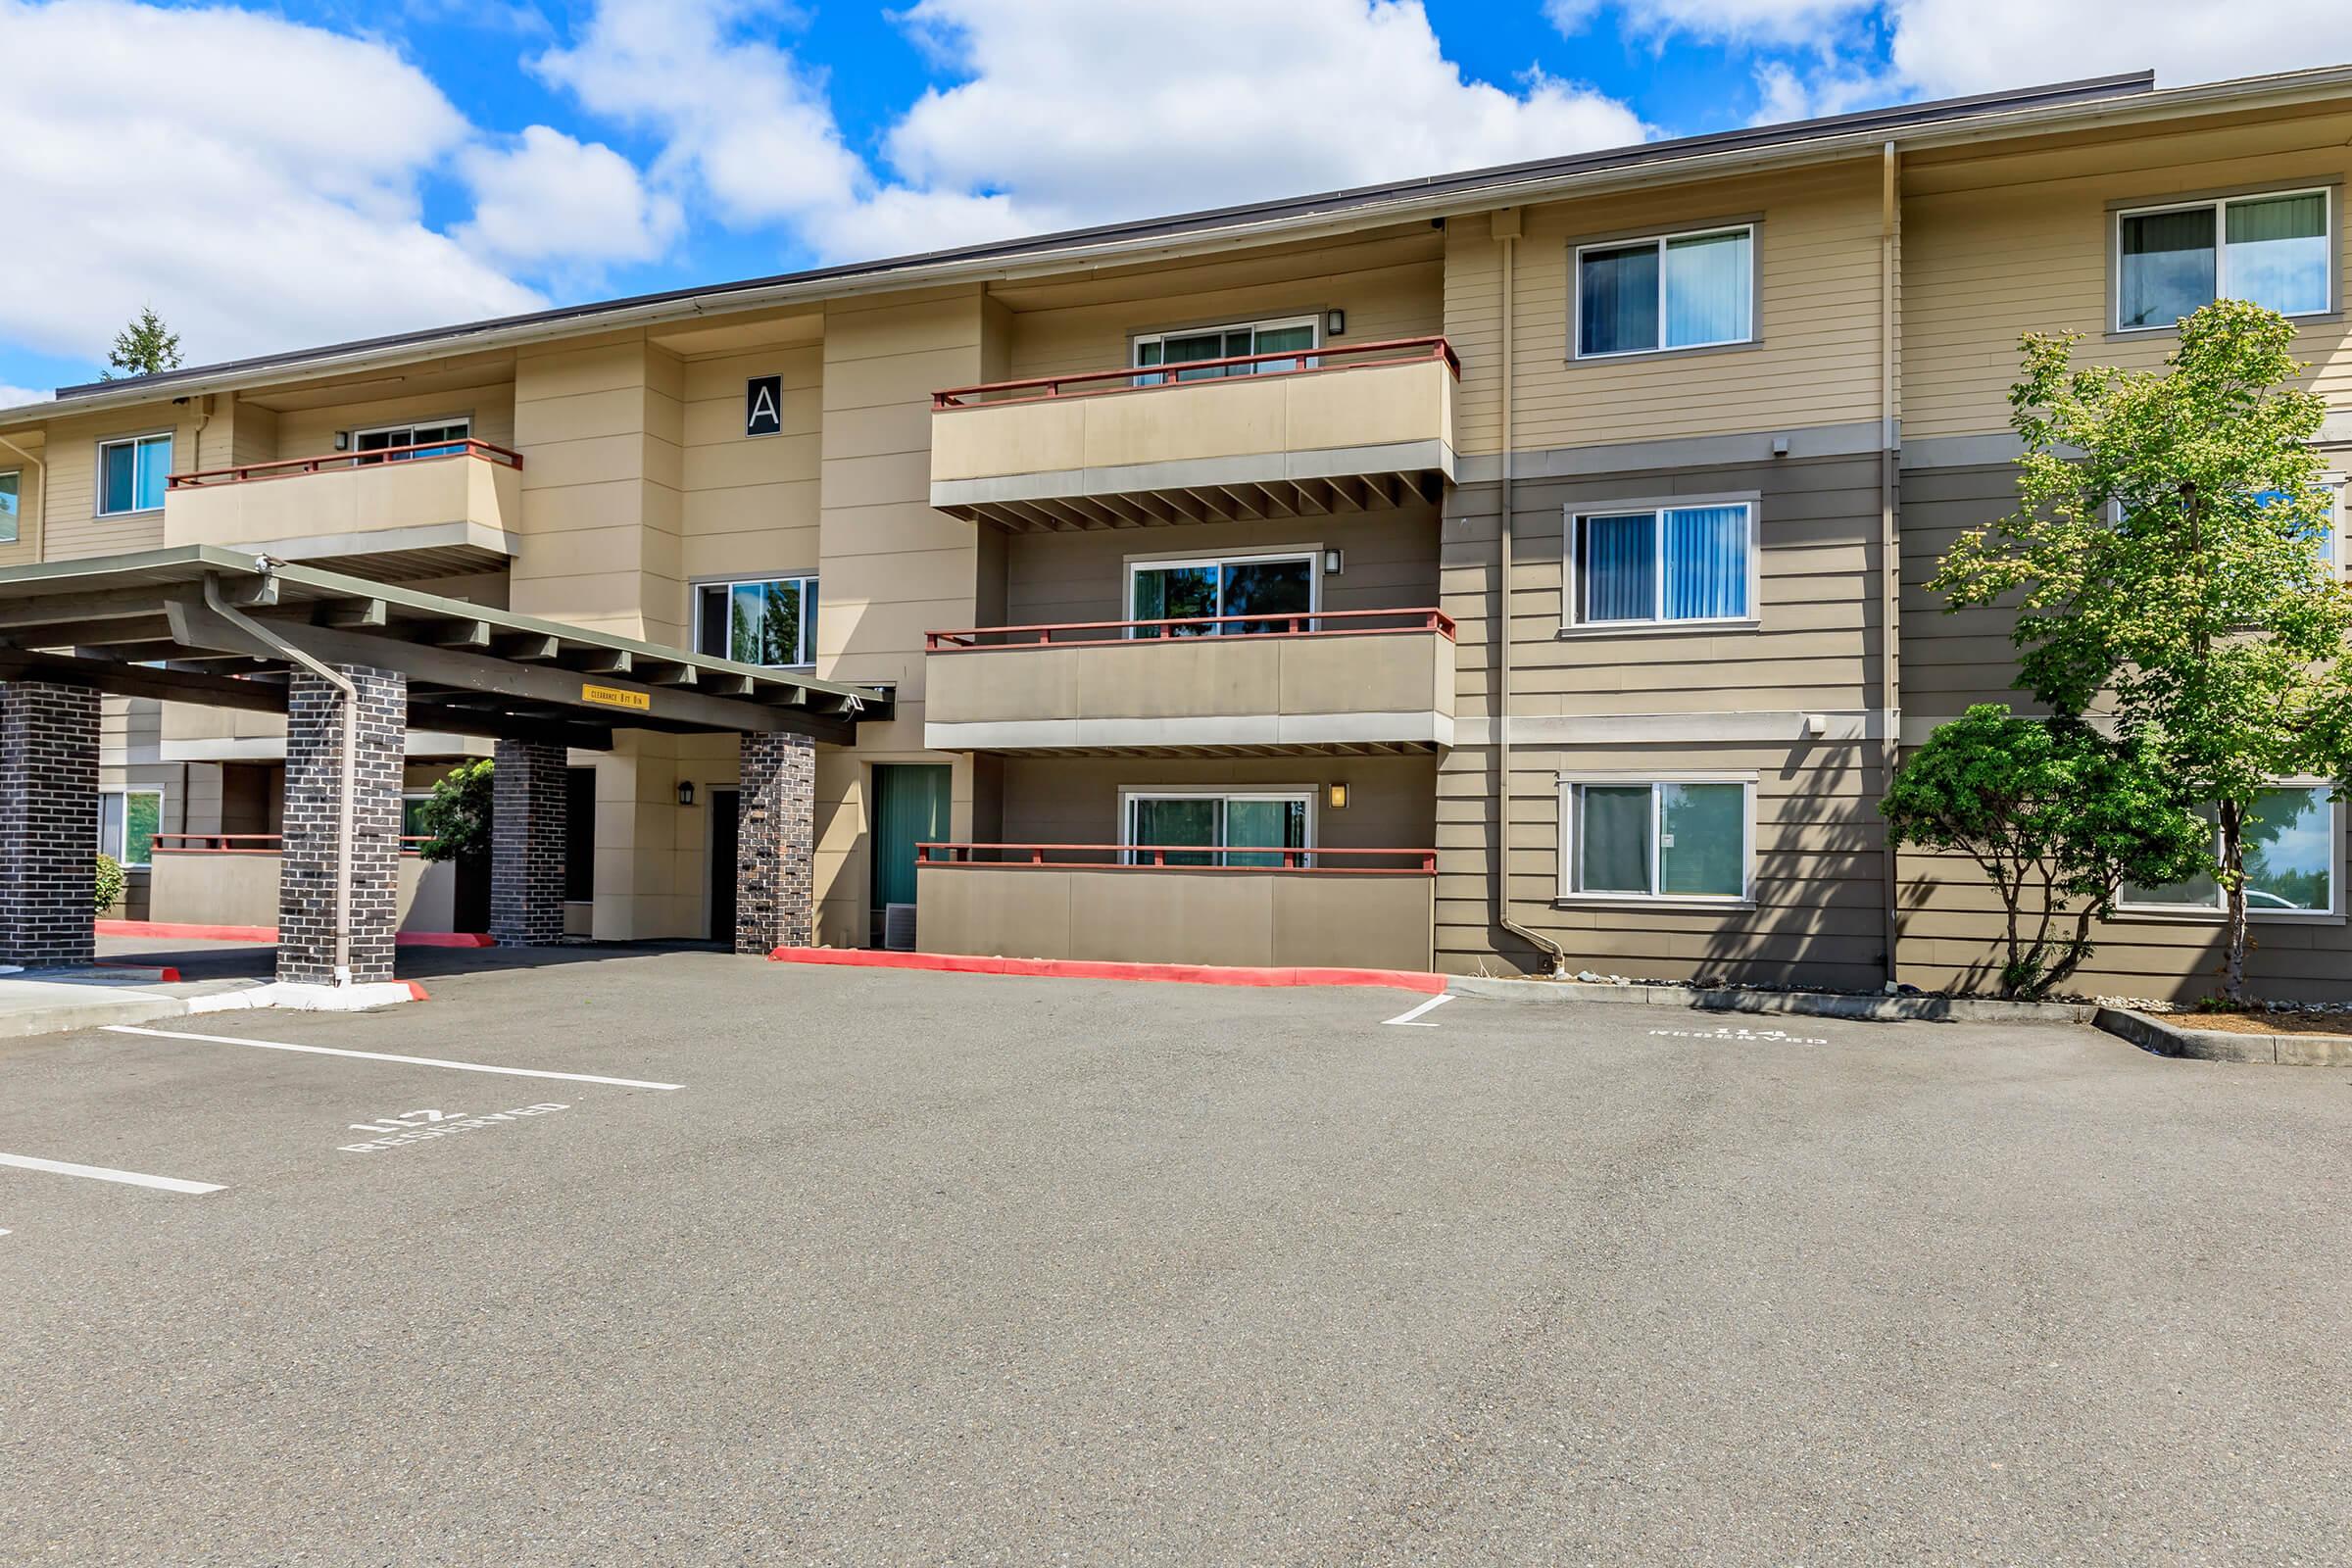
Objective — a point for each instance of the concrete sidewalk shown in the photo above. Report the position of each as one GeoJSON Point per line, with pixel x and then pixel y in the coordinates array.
{"type": "Point", "coordinates": [40, 1002]}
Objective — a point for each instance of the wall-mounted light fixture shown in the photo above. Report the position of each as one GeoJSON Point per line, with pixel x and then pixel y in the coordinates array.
{"type": "Point", "coordinates": [1335, 323]}
{"type": "Point", "coordinates": [1338, 795]}
{"type": "Point", "coordinates": [685, 791]}
{"type": "Point", "coordinates": [342, 440]}
{"type": "Point", "coordinates": [1333, 562]}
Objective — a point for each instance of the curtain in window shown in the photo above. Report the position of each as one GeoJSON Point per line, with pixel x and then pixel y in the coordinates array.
{"type": "Point", "coordinates": [119, 478]}
{"type": "Point", "coordinates": [1161, 820]}
{"type": "Point", "coordinates": [2279, 252]}
{"type": "Point", "coordinates": [1278, 339]}
{"type": "Point", "coordinates": [2168, 267]}
{"type": "Point", "coordinates": [1701, 836]}
{"type": "Point", "coordinates": [1709, 289]}
{"type": "Point", "coordinates": [1273, 824]}
{"type": "Point", "coordinates": [1707, 562]}
{"type": "Point", "coordinates": [1613, 838]}
{"type": "Point", "coordinates": [1617, 299]}
{"type": "Point", "coordinates": [1618, 566]}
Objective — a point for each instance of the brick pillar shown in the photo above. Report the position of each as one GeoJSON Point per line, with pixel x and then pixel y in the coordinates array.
{"type": "Point", "coordinates": [306, 877]}
{"type": "Point", "coordinates": [775, 858]}
{"type": "Point", "coordinates": [48, 823]}
{"type": "Point", "coordinates": [528, 845]}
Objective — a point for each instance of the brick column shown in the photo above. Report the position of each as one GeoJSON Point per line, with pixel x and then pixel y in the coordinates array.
{"type": "Point", "coordinates": [775, 859]}
{"type": "Point", "coordinates": [306, 877]}
{"type": "Point", "coordinates": [48, 823]}
{"type": "Point", "coordinates": [528, 845]}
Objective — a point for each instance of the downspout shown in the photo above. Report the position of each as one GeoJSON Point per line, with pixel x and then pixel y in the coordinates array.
{"type": "Point", "coordinates": [1507, 233]}
{"type": "Point", "coordinates": [1891, 562]}
{"type": "Point", "coordinates": [348, 810]}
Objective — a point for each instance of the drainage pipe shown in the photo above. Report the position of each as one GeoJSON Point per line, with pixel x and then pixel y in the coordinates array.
{"type": "Point", "coordinates": [347, 812]}
{"type": "Point", "coordinates": [1507, 233]}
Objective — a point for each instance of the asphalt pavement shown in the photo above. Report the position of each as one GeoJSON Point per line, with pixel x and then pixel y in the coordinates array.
{"type": "Point", "coordinates": [851, 1267]}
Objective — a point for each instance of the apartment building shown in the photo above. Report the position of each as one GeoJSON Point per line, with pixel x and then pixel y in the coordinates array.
{"type": "Point", "coordinates": [1507, 570]}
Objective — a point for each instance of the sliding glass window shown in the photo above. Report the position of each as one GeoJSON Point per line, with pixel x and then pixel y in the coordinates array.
{"type": "Point", "coordinates": [1236, 340]}
{"type": "Point", "coordinates": [1273, 586]}
{"type": "Point", "coordinates": [1662, 566]}
{"type": "Point", "coordinates": [1656, 840]}
{"type": "Point", "coordinates": [1230, 829]}
{"type": "Point", "coordinates": [2291, 853]}
{"type": "Point", "coordinates": [769, 622]}
{"type": "Point", "coordinates": [131, 474]}
{"type": "Point", "coordinates": [2275, 250]}
{"type": "Point", "coordinates": [1675, 291]}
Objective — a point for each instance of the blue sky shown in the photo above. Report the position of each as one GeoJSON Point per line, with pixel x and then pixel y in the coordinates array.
{"type": "Point", "coordinates": [275, 178]}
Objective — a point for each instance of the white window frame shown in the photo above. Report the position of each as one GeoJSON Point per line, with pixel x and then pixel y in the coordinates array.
{"type": "Point", "coordinates": [1311, 554]}
{"type": "Point", "coordinates": [1136, 341]}
{"type": "Point", "coordinates": [98, 499]}
{"type": "Point", "coordinates": [806, 580]}
{"type": "Point", "coordinates": [1573, 588]}
{"type": "Point", "coordinates": [125, 793]}
{"type": "Point", "coordinates": [16, 519]}
{"type": "Point", "coordinates": [1571, 841]}
{"type": "Point", "coordinates": [1129, 794]}
{"type": "Point", "coordinates": [2219, 206]}
{"type": "Point", "coordinates": [1576, 291]}
{"type": "Point", "coordinates": [411, 426]}
{"type": "Point", "coordinates": [2218, 909]}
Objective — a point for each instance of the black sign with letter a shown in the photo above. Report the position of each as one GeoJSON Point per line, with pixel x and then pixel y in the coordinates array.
{"type": "Point", "coordinates": [764, 406]}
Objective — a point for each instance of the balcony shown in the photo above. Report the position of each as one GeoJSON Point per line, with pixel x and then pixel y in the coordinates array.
{"type": "Point", "coordinates": [1261, 436]}
{"type": "Point", "coordinates": [231, 879]}
{"type": "Point", "coordinates": [1349, 681]}
{"type": "Point", "coordinates": [403, 512]}
{"type": "Point", "coordinates": [1325, 908]}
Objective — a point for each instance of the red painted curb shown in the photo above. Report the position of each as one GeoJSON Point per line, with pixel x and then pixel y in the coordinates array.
{"type": "Point", "coordinates": [416, 993]}
{"type": "Point", "coordinates": [187, 931]}
{"type": "Point", "coordinates": [1199, 974]}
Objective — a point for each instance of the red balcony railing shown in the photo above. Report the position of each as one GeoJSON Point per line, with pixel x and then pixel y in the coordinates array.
{"type": "Point", "coordinates": [250, 843]}
{"type": "Point", "coordinates": [1187, 856]}
{"type": "Point", "coordinates": [1292, 362]}
{"type": "Point", "coordinates": [287, 467]}
{"type": "Point", "coordinates": [1185, 628]}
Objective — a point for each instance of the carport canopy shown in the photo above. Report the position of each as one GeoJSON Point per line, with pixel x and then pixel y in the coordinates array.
{"type": "Point", "coordinates": [167, 624]}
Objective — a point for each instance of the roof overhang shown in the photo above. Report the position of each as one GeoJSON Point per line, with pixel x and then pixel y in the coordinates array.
{"type": "Point", "coordinates": [202, 624]}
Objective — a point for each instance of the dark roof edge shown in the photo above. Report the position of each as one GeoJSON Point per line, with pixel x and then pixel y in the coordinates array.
{"type": "Point", "coordinates": [1466, 183]}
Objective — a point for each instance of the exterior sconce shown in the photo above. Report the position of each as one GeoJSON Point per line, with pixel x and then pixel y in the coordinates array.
{"type": "Point", "coordinates": [342, 440]}
{"type": "Point", "coordinates": [1338, 795]}
{"type": "Point", "coordinates": [685, 791]}
{"type": "Point", "coordinates": [1333, 561]}
{"type": "Point", "coordinates": [1335, 325]}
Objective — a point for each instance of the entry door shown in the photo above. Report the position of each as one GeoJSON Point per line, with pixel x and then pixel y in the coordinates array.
{"type": "Point", "coordinates": [911, 808]}
{"type": "Point", "coordinates": [723, 840]}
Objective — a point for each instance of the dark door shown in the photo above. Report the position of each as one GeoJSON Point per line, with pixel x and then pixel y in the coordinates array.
{"type": "Point", "coordinates": [722, 865]}
{"type": "Point", "coordinates": [911, 808]}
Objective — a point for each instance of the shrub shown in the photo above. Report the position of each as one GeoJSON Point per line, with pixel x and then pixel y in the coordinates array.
{"type": "Point", "coordinates": [109, 892]}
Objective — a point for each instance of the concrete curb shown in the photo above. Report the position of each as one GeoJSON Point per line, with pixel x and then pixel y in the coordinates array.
{"type": "Point", "coordinates": [23, 1023]}
{"type": "Point", "coordinates": [1199, 974]}
{"type": "Point", "coordinates": [2153, 1034]}
{"type": "Point", "coordinates": [183, 931]}
{"type": "Point", "coordinates": [1811, 1004]}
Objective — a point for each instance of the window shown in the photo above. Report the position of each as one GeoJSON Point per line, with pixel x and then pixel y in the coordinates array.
{"type": "Point", "coordinates": [411, 818]}
{"type": "Point", "coordinates": [391, 438]}
{"type": "Point", "coordinates": [2272, 250]}
{"type": "Point", "coordinates": [1235, 585]}
{"type": "Point", "coordinates": [1663, 565]}
{"type": "Point", "coordinates": [1677, 291]}
{"type": "Point", "coordinates": [771, 622]}
{"type": "Point", "coordinates": [1666, 839]}
{"type": "Point", "coordinates": [127, 821]}
{"type": "Point", "coordinates": [1228, 827]}
{"type": "Point", "coordinates": [1227, 342]}
{"type": "Point", "coordinates": [2328, 537]}
{"type": "Point", "coordinates": [2291, 858]}
{"type": "Point", "coordinates": [11, 496]}
{"type": "Point", "coordinates": [131, 474]}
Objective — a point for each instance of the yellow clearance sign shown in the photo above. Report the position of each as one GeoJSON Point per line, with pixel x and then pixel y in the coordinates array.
{"type": "Point", "coordinates": [614, 697]}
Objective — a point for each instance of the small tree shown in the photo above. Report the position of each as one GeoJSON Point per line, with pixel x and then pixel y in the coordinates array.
{"type": "Point", "coordinates": [2167, 558]}
{"type": "Point", "coordinates": [457, 817]}
{"type": "Point", "coordinates": [108, 890]}
{"type": "Point", "coordinates": [2058, 816]}
{"type": "Point", "coordinates": [143, 348]}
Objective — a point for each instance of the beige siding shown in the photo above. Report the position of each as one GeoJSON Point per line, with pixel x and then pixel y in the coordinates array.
{"type": "Point", "coordinates": [1076, 800]}
{"type": "Point", "coordinates": [751, 504]}
{"type": "Point", "coordinates": [1816, 360]}
{"type": "Point", "coordinates": [31, 467]}
{"type": "Point", "coordinates": [2011, 242]}
{"type": "Point", "coordinates": [71, 525]}
{"type": "Point", "coordinates": [310, 432]}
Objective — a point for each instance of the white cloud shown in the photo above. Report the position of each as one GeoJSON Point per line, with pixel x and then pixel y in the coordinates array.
{"type": "Point", "coordinates": [13, 397]}
{"type": "Point", "coordinates": [1962, 46]}
{"type": "Point", "coordinates": [549, 198]}
{"type": "Point", "coordinates": [1069, 112]}
{"type": "Point", "coordinates": [1751, 22]}
{"type": "Point", "coordinates": [255, 180]}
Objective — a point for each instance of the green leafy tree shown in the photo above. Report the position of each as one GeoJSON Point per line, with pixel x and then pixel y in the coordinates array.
{"type": "Point", "coordinates": [109, 890]}
{"type": "Point", "coordinates": [143, 348]}
{"type": "Point", "coordinates": [457, 817]}
{"type": "Point", "coordinates": [2168, 563]}
{"type": "Point", "coordinates": [2058, 816]}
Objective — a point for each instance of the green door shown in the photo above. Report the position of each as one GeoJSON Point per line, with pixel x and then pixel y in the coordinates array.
{"type": "Point", "coordinates": [911, 808]}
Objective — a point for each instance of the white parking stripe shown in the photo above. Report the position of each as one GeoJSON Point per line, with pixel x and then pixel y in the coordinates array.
{"type": "Point", "coordinates": [1413, 1018]}
{"type": "Point", "coordinates": [99, 1173]}
{"type": "Point", "coordinates": [377, 1055]}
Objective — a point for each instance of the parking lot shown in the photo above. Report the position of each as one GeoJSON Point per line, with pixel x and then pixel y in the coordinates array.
{"type": "Point", "coordinates": [805, 1264]}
